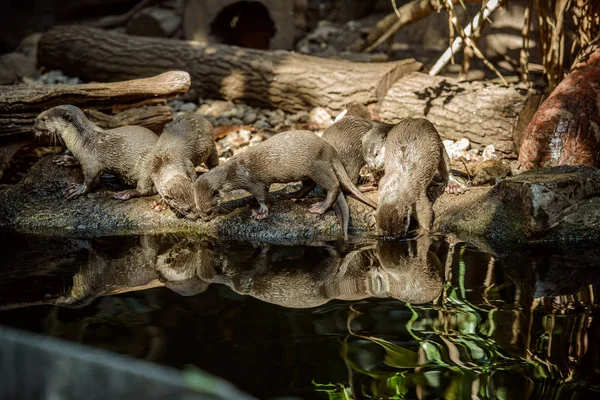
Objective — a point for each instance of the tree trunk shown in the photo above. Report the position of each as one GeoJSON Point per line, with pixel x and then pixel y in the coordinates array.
{"type": "Point", "coordinates": [566, 128]}
{"type": "Point", "coordinates": [484, 113]}
{"type": "Point", "coordinates": [277, 79]}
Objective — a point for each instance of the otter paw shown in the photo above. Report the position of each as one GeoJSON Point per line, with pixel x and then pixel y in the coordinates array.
{"type": "Point", "coordinates": [455, 187]}
{"type": "Point", "coordinates": [159, 206]}
{"type": "Point", "coordinates": [317, 208]}
{"type": "Point", "coordinates": [260, 214]}
{"type": "Point", "coordinates": [75, 190]}
{"type": "Point", "coordinates": [66, 161]}
{"type": "Point", "coordinates": [126, 194]}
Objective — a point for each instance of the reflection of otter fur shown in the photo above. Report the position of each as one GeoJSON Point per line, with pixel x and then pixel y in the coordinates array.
{"type": "Point", "coordinates": [413, 153]}
{"type": "Point", "coordinates": [184, 144]}
{"type": "Point", "coordinates": [121, 151]}
{"type": "Point", "coordinates": [286, 157]}
{"type": "Point", "coordinates": [411, 272]}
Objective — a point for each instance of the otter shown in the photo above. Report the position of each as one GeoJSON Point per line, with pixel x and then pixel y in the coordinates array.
{"type": "Point", "coordinates": [123, 151]}
{"type": "Point", "coordinates": [413, 153]}
{"type": "Point", "coordinates": [374, 155]}
{"type": "Point", "coordinates": [184, 144]}
{"type": "Point", "coordinates": [286, 157]}
{"type": "Point", "coordinates": [346, 137]}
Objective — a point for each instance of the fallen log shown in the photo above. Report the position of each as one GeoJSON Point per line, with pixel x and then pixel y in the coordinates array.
{"type": "Point", "coordinates": [134, 102]}
{"type": "Point", "coordinates": [117, 95]}
{"type": "Point", "coordinates": [278, 79]}
{"type": "Point", "coordinates": [484, 113]}
{"type": "Point", "coordinates": [566, 128]}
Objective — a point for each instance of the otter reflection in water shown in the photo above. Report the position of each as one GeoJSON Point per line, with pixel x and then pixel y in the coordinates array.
{"type": "Point", "coordinates": [291, 276]}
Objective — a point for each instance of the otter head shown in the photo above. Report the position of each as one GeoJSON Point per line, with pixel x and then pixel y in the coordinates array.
{"type": "Point", "coordinates": [409, 271]}
{"type": "Point", "coordinates": [177, 192]}
{"type": "Point", "coordinates": [357, 110]}
{"type": "Point", "coordinates": [58, 122]}
{"type": "Point", "coordinates": [393, 219]}
{"type": "Point", "coordinates": [374, 152]}
{"type": "Point", "coordinates": [206, 197]}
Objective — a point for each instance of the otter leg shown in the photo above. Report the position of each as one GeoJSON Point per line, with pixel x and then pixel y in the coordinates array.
{"type": "Point", "coordinates": [145, 186]}
{"type": "Point", "coordinates": [326, 178]}
{"type": "Point", "coordinates": [90, 178]}
{"type": "Point", "coordinates": [342, 211]}
{"type": "Point", "coordinates": [453, 186]}
{"type": "Point", "coordinates": [127, 194]}
{"type": "Point", "coordinates": [213, 159]}
{"type": "Point", "coordinates": [307, 186]}
{"type": "Point", "coordinates": [261, 194]}
{"type": "Point", "coordinates": [424, 212]}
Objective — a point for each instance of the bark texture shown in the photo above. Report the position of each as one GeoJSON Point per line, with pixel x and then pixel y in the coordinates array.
{"type": "Point", "coordinates": [135, 102]}
{"type": "Point", "coordinates": [566, 128]}
{"type": "Point", "coordinates": [484, 113]}
{"type": "Point", "coordinates": [19, 98]}
{"type": "Point", "coordinates": [276, 79]}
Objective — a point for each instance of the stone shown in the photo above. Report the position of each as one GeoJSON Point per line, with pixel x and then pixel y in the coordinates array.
{"type": "Point", "coordinates": [249, 117]}
{"type": "Point", "coordinates": [490, 171]}
{"type": "Point", "coordinates": [320, 118]}
{"type": "Point", "coordinates": [489, 153]}
{"type": "Point", "coordinates": [525, 208]}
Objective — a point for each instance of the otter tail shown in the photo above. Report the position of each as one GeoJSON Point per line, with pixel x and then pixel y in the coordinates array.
{"type": "Point", "coordinates": [342, 211]}
{"type": "Point", "coordinates": [347, 184]}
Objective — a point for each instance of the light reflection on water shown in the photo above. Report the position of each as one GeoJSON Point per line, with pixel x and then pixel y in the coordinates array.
{"type": "Point", "coordinates": [369, 319]}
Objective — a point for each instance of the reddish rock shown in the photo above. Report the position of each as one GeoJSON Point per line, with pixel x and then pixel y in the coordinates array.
{"type": "Point", "coordinates": [566, 128]}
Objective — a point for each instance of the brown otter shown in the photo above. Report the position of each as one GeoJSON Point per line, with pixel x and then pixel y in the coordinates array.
{"type": "Point", "coordinates": [184, 144]}
{"type": "Point", "coordinates": [413, 153]}
{"type": "Point", "coordinates": [286, 157]}
{"type": "Point", "coordinates": [346, 137]}
{"type": "Point", "coordinates": [373, 145]}
{"type": "Point", "coordinates": [121, 151]}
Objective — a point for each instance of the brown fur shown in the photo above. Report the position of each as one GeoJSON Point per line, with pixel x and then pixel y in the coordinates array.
{"type": "Point", "coordinates": [286, 157]}
{"type": "Point", "coordinates": [184, 144]}
{"type": "Point", "coordinates": [123, 151]}
{"type": "Point", "coordinates": [411, 271]}
{"type": "Point", "coordinates": [346, 137]}
{"type": "Point", "coordinates": [413, 153]}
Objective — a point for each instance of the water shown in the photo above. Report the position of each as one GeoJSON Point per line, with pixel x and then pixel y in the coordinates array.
{"type": "Point", "coordinates": [421, 319]}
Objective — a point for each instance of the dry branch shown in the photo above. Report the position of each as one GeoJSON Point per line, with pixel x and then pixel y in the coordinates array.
{"type": "Point", "coordinates": [29, 98]}
{"type": "Point", "coordinates": [278, 79]}
{"type": "Point", "coordinates": [135, 102]}
{"type": "Point", "coordinates": [391, 23]}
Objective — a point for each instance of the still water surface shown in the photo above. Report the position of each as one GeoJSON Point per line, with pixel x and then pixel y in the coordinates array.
{"type": "Point", "coordinates": [422, 319]}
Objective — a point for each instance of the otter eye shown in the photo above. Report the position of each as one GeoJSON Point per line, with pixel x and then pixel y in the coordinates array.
{"type": "Point", "coordinates": [44, 119]}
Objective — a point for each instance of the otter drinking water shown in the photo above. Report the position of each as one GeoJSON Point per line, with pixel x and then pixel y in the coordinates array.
{"type": "Point", "coordinates": [123, 151]}
{"type": "Point", "coordinates": [413, 153]}
{"type": "Point", "coordinates": [184, 144]}
{"type": "Point", "coordinates": [286, 157]}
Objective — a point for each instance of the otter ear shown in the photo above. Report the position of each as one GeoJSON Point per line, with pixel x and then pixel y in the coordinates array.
{"type": "Point", "coordinates": [67, 117]}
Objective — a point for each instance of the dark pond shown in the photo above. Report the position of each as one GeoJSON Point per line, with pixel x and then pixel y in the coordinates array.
{"type": "Point", "coordinates": [368, 319]}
